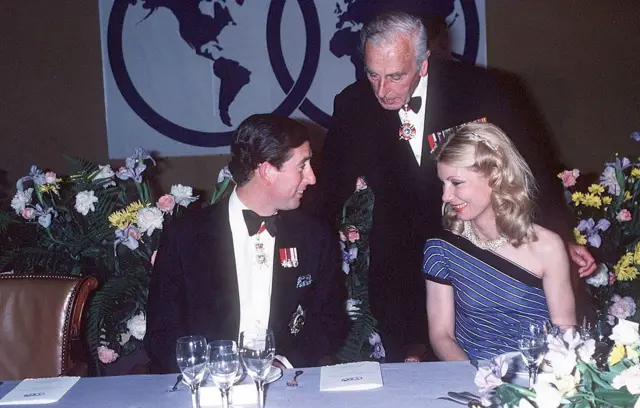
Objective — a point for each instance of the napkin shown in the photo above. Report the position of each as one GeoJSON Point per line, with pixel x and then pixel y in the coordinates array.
{"type": "Point", "coordinates": [244, 394]}
{"type": "Point", "coordinates": [351, 377]}
{"type": "Point", "coordinates": [39, 391]}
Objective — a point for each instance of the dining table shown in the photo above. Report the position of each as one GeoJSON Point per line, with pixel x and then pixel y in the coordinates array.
{"type": "Point", "coordinates": [405, 385]}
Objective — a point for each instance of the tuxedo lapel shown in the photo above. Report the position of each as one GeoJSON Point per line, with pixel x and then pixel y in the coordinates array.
{"type": "Point", "coordinates": [217, 258]}
{"type": "Point", "coordinates": [283, 285]}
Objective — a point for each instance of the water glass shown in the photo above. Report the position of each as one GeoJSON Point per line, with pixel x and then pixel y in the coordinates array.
{"type": "Point", "coordinates": [532, 344]}
{"type": "Point", "coordinates": [224, 363]}
{"type": "Point", "coordinates": [257, 351]}
{"type": "Point", "coordinates": [192, 356]}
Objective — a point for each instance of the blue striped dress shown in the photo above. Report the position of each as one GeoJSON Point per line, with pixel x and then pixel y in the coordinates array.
{"type": "Point", "coordinates": [492, 295]}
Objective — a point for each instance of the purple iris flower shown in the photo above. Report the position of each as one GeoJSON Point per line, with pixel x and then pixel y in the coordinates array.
{"type": "Point", "coordinates": [44, 215]}
{"type": "Point", "coordinates": [348, 256]}
{"type": "Point", "coordinates": [591, 229]}
{"type": "Point", "coordinates": [636, 136]}
{"type": "Point", "coordinates": [128, 237]}
{"type": "Point", "coordinates": [134, 165]}
{"type": "Point", "coordinates": [35, 174]}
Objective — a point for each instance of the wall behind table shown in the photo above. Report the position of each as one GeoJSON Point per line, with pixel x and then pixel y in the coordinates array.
{"type": "Point", "coordinates": [581, 62]}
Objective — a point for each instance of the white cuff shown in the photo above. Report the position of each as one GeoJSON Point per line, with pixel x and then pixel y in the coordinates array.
{"type": "Point", "coordinates": [284, 362]}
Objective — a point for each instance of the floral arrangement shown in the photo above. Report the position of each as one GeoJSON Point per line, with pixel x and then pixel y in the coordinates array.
{"type": "Point", "coordinates": [608, 221]}
{"type": "Point", "coordinates": [574, 380]}
{"type": "Point", "coordinates": [363, 342]}
{"type": "Point", "coordinates": [102, 223]}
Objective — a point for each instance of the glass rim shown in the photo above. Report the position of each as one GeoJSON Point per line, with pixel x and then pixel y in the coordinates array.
{"type": "Point", "coordinates": [186, 339]}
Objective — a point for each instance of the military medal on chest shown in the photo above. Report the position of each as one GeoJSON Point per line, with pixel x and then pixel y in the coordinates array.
{"type": "Point", "coordinates": [407, 130]}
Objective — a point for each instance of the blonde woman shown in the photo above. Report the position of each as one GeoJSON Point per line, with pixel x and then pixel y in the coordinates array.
{"type": "Point", "coordinates": [493, 268]}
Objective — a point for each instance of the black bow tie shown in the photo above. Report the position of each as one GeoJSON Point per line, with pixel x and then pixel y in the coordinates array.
{"type": "Point", "coordinates": [254, 221]}
{"type": "Point", "coordinates": [415, 103]}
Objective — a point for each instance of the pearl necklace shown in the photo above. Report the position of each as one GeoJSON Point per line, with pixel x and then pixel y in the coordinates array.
{"type": "Point", "coordinates": [488, 244]}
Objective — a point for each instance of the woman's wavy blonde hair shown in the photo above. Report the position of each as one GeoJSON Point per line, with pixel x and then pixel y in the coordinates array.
{"type": "Point", "coordinates": [484, 148]}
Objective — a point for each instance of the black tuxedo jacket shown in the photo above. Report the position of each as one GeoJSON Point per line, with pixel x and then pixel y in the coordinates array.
{"type": "Point", "coordinates": [194, 288]}
{"type": "Point", "coordinates": [363, 141]}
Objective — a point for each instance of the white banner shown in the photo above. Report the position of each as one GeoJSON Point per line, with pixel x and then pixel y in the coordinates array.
{"type": "Point", "coordinates": [179, 76]}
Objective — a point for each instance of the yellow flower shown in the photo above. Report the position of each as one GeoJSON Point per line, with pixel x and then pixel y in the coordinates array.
{"type": "Point", "coordinates": [636, 255]}
{"type": "Point", "coordinates": [625, 269]}
{"type": "Point", "coordinates": [617, 354]}
{"type": "Point", "coordinates": [45, 188]}
{"type": "Point", "coordinates": [606, 200]}
{"type": "Point", "coordinates": [627, 195]}
{"type": "Point", "coordinates": [635, 173]}
{"type": "Point", "coordinates": [123, 218]}
{"type": "Point", "coordinates": [596, 189]}
{"type": "Point", "coordinates": [580, 239]}
{"type": "Point", "coordinates": [592, 200]}
{"type": "Point", "coordinates": [577, 197]}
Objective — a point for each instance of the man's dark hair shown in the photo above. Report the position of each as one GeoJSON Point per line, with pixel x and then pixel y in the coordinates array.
{"type": "Point", "coordinates": [264, 138]}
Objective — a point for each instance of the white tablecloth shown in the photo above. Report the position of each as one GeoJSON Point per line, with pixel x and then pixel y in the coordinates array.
{"type": "Point", "coordinates": [405, 385]}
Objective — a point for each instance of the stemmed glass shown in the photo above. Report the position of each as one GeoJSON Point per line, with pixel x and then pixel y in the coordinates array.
{"type": "Point", "coordinates": [223, 366]}
{"type": "Point", "coordinates": [257, 351]}
{"type": "Point", "coordinates": [192, 357]}
{"type": "Point", "coordinates": [532, 345]}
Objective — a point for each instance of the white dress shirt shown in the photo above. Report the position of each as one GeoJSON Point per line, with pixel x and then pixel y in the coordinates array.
{"type": "Point", "coordinates": [254, 280]}
{"type": "Point", "coordinates": [417, 118]}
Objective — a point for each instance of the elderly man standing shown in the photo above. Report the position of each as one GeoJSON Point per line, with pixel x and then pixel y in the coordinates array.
{"type": "Point", "coordinates": [382, 130]}
{"type": "Point", "coordinates": [252, 261]}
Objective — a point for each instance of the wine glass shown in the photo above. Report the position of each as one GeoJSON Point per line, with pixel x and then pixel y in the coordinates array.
{"type": "Point", "coordinates": [192, 357]}
{"type": "Point", "coordinates": [223, 366]}
{"type": "Point", "coordinates": [257, 351]}
{"type": "Point", "coordinates": [532, 345]}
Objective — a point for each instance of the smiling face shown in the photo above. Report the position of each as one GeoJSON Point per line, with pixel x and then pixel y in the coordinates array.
{"type": "Point", "coordinates": [289, 182]}
{"type": "Point", "coordinates": [391, 69]}
{"type": "Point", "coordinates": [467, 192]}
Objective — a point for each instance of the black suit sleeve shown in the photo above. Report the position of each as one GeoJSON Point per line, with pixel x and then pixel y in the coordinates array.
{"type": "Point", "coordinates": [336, 178]}
{"type": "Point", "coordinates": [326, 319]}
{"type": "Point", "coordinates": [165, 305]}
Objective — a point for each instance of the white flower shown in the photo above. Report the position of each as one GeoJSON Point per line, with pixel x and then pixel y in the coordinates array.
{"type": "Point", "coordinates": [524, 403]}
{"type": "Point", "coordinates": [625, 333]}
{"type": "Point", "coordinates": [488, 378]}
{"type": "Point", "coordinates": [149, 220]}
{"type": "Point", "coordinates": [137, 326]}
{"type": "Point", "coordinates": [586, 350]}
{"type": "Point", "coordinates": [84, 202]}
{"type": "Point", "coordinates": [183, 194]}
{"type": "Point", "coordinates": [21, 200]}
{"type": "Point", "coordinates": [104, 173]}
{"type": "Point", "coordinates": [629, 378]}
{"type": "Point", "coordinates": [600, 276]}
{"type": "Point", "coordinates": [353, 310]}
{"type": "Point", "coordinates": [547, 396]}
{"type": "Point", "coordinates": [224, 174]}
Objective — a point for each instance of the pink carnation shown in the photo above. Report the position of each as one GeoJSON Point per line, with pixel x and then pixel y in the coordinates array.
{"type": "Point", "coordinates": [622, 307]}
{"type": "Point", "coordinates": [50, 177]}
{"type": "Point", "coordinates": [153, 257]}
{"type": "Point", "coordinates": [624, 215]}
{"type": "Point", "coordinates": [352, 233]}
{"type": "Point", "coordinates": [342, 237]}
{"type": "Point", "coordinates": [569, 177]}
{"type": "Point", "coordinates": [28, 213]}
{"type": "Point", "coordinates": [166, 203]}
{"type": "Point", "coordinates": [106, 355]}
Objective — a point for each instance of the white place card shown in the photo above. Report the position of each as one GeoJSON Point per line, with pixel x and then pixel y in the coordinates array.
{"type": "Point", "coordinates": [34, 391]}
{"type": "Point", "coordinates": [351, 377]}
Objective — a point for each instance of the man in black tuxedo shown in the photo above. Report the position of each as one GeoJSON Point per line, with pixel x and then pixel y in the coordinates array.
{"type": "Point", "coordinates": [380, 131]}
{"type": "Point", "coordinates": [252, 261]}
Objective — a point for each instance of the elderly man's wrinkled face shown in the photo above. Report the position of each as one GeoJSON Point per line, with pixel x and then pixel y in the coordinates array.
{"type": "Point", "coordinates": [392, 71]}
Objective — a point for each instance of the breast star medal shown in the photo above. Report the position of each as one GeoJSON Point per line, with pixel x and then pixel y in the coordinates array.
{"type": "Point", "coordinates": [407, 131]}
